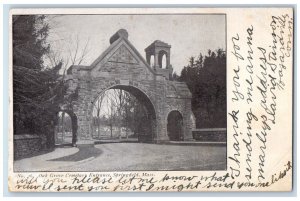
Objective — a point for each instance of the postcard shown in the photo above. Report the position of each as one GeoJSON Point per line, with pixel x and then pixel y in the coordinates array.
{"type": "Point", "coordinates": [151, 99]}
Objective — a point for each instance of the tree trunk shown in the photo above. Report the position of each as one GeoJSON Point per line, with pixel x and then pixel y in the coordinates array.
{"type": "Point", "coordinates": [111, 135]}
{"type": "Point", "coordinates": [98, 128]}
{"type": "Point", "coordinates": [63, 126]}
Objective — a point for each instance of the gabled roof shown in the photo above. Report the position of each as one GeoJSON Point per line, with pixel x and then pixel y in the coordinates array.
{"type": "Point", "coordinates": [112, 47]}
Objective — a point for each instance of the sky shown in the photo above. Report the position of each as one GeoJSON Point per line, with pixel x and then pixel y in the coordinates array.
{"type": "Point", "coordinates": [189, 35]}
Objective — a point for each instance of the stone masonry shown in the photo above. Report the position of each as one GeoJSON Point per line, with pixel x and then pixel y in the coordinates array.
{"type": "Point", "coordinates": [26, 145]}
{"type": "Point", "coordinates": [122, 67]}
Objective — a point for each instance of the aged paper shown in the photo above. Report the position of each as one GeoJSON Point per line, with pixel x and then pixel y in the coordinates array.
{"type": "Point", "coordinates": [256, 152]}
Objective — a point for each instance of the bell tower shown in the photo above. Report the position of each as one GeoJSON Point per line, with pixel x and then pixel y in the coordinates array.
{"type": "Point", "coordinates": [159, 49]}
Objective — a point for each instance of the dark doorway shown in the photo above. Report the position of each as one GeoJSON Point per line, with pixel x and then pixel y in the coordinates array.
{"type": "Point", "coordinates": [175, 126]}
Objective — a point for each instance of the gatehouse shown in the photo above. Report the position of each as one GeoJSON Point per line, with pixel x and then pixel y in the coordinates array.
{"type": "Point", "coordinates": [121, 66]}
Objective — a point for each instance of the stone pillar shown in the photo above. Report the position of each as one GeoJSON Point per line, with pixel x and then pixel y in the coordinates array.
{"type": "Point", "coordinates": [156, 65]}
{"type": "Point", "coordinates": [188, 124]}
{"type": "Point", "coordinates": [161, 130]}
{"type": "Point", "coordinates": [168, 60]}
{"type": "Point", "coordinates": [188, 136]}
{"type": "Point", "coordinates": [82, 113]}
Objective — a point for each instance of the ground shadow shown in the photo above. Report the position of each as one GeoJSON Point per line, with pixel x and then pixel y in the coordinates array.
{"type": "Point", "coordinates": [85, 152]}
{"type": "Point", "coordinates": [40, 152]}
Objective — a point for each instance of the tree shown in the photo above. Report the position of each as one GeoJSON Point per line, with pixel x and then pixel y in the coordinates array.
{"type": "Point", "coordinates": [37, 90]}
{"type": "Point", "coordinates": [206, 79]}
{"type": "Point", "coordinates": [97, 109]}
{"type": "Point", "coordinates": [119, 109]}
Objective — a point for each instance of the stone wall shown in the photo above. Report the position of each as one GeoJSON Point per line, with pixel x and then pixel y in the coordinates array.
{"type": "Point", "coordinates": [26, 145]}
{"type": "Point", "coordinates": [210, 134]}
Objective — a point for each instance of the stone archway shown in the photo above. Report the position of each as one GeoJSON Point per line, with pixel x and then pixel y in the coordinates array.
{"type": "Point", "coordinates": [121, 66]}
{"type": "Point", "coordinates": [175, 126]}
{"type": "Point", "coordinates": [147, 126]}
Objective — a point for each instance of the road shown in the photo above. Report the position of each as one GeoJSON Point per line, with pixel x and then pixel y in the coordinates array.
{"type": "Point", "coordinates": [142, 156]}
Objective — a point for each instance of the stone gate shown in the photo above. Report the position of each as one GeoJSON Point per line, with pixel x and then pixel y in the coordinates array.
{"type": "Point", "coordinates": [121, 66]}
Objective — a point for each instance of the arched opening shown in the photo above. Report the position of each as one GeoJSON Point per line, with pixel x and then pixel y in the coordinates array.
{"type": "Point", "coordinates": [162, 59]}
{"type": "Point", "coordinates": [152, 61]}
{"type": "Point", "coordinates": [123, 113]}
{"type": "Point", "coordinates": [175, 126]}
{"type": "Point", "coordinates": [66, 128]}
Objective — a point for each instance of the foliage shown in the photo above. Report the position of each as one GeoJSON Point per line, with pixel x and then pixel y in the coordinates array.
{"type": "Point", "coordinates": [37, 91]}
{"type": "Point", "coordinates": [206, 79]}
{"type": "Point", "coordinates": [116, 108]}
